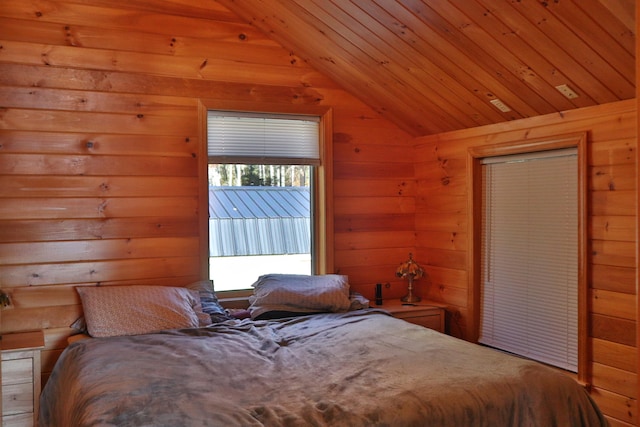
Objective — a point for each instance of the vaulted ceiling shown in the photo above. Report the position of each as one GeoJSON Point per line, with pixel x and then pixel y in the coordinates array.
{"type": "Point", "coordinates": [437, 65]}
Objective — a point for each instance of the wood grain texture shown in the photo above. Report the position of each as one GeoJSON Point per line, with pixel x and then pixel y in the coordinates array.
{"type": "Point", "coordinates": [434, 66]}
{"type": "Point", "coordinates": [621, 409]}
{"type": "Point", "coordinates": [611, 206]}
{"type": "Point", "coordinates": [100, 146]}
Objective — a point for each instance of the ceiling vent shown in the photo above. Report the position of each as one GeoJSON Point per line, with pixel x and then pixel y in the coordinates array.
{"type": "Point", "coordinates": [500, 105]}
{"type": "Point", "coordinates": [567, 91]}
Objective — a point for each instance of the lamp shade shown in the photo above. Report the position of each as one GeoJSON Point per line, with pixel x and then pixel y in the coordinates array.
{"type": "Point", "coordinates": [410, 268]}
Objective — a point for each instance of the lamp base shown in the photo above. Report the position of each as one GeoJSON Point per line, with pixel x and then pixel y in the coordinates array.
{"type": "Point", "coordinates": [410, 298]}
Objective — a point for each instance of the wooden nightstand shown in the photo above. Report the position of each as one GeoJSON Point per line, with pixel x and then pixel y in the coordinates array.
{"type": "Point", "coordinates": [21, 378]}
{"type": "Point", "coordinates": [424, 313]}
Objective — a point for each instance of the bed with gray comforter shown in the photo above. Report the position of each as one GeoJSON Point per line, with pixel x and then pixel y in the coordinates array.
{"type": "Point", "coordinates": [361, 368]}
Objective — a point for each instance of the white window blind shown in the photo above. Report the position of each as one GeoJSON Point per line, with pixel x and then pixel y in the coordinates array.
{"type": "Point", "coordinates": [529, 296]}
{"type": "Point", "coordinates": [266, 138]}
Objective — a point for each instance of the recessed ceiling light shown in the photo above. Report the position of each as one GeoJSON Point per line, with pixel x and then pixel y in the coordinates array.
{"type": "Point", "coordinates": [567, 91]}
{"type": "Point", "coordinates": [500, 105]}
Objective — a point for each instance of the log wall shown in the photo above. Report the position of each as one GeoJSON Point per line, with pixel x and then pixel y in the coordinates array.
{"type": "Point", "coordinates": [99, 150]}
{"type": "Point", "coordinates": [442, 219]}
{"type": "Point", "coordinates": [99, 143]}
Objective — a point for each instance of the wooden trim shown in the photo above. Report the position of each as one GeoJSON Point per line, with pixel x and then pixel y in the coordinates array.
{"type": "Point", "coordinates": [203, 191]}
{"type": "Point", "coordinates": [637, 283]}
{"type": "Point", "coordinates": [474, 190]}
{"type": "Point", "coordinates": [474, 156]}
{"type": "Point", "coordinates": [584, 353]}
{"type": "Point", "coordinates": [528, 146]}
{"type": "Point", "coordinates": [323, 199]}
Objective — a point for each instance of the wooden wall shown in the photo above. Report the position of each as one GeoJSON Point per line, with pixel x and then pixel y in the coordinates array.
{"type": "Point", "coordinates": [442, 220]}
{"type": "Point", "coordinates": [99, 143]}
{"type": "Point", "coordinates": [99, 150]}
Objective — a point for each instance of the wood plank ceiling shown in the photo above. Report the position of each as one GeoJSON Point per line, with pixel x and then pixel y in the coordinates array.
{"type": "Point", "coordinates": [434, 65]}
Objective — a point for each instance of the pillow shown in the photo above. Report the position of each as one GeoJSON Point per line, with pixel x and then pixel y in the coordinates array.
{"type": "Point", "coordinates": [358, 301]}
{"type": "Point", "coordinates": [209, 301]}
{"type": "Point", "coordinates": [293, 294]}
{"type": "Point", "coordinates": [79, 326]}
{"type": "Point", "coordinates": [139, 309]}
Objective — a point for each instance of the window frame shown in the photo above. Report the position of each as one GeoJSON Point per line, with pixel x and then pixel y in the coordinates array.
{"type": "Point", "coordinates": [322, 196]}
{"type": "Point", "coordinates": [474, 189]}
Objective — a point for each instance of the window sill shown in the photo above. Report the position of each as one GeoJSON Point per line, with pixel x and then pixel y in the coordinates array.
{"type": "Point", "coordinates": [234, 301]}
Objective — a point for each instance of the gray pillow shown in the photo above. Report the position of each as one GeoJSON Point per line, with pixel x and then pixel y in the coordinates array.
{"type": "Point", "coordinates": [296, 293]}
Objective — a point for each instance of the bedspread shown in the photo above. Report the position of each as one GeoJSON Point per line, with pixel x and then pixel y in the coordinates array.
{"type": "Point", "coordinates": [361, 368]}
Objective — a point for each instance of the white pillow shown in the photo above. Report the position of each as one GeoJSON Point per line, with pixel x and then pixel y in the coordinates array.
{"type": "Point", "coordinates": [293, 293]}
{"type": "Point", "coordinates": [139, 309]}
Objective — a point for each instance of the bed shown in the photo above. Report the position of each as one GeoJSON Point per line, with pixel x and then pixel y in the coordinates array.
{"type": "Point", "coordinates": [352, 367]}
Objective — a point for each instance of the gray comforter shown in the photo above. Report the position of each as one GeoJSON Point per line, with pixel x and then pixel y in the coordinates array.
{"type": "Point", "coordinates": [360, 368]}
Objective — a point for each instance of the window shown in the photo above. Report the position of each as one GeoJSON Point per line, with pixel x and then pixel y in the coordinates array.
{"type": "Point", "coordinates": [262, 187]}
{"type": "Point", "coordinates": [487, 262]}
{"type": "Point", "coordinates": [529, 288]}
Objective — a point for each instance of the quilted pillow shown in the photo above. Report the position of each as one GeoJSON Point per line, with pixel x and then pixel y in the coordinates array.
{"type": "Point", "coordinates": [277, 295]}
{"type": "Point", "coordinates": [139, 309]}
{"type": "Point", "coordinates": [209, 300]}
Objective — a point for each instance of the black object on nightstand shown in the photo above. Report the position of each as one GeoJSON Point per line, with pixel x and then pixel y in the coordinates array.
{"type": "Point", "coordinates": [378, 293]}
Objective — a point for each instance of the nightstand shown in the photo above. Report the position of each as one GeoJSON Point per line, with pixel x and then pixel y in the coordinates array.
{"type": "Point", "coordinates": [21, 378]}
{"type": "Point", "coordinates": [424, 313]}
